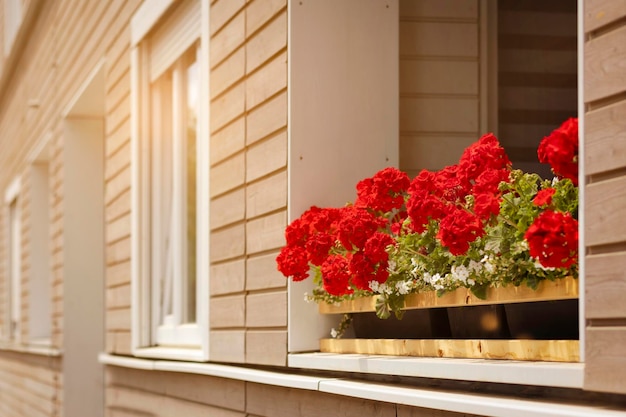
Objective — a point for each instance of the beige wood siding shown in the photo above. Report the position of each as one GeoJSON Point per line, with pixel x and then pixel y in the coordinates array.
{"type": "Point", "coordinates": [29, 385]}
{"type": "Point", "coordinates": [136, 393]}
{"type": "Point", "coordinates": [248, 180]}
{"type": "Point", "coordinates": [605, 198]}
{"type": "Point", "coordinates": [439, 81]}
{"type": "Point", "coordinates": [64, 46]}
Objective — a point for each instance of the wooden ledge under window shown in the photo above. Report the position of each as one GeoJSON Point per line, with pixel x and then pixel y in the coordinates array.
{"type": "Point", "coordinates": [520, 350]}
{"type": "Point", "coordinates": [561, 289]}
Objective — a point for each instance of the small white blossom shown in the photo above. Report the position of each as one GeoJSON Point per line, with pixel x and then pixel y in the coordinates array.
{"type": "Point", "coordinates": [374, 286]}
{"type": "Point", "coordinates": [433, 280]}
{"type": "Point", "coordinates": [460, 273]}
{"type": "Point", "coordinates": [475, 267]}
{"type": "Point", "coordinates": [488, 264]}
{"type": "Point", "coordinates": [402, 287]}
{"type": "Point", "coordinates": [333, 333]}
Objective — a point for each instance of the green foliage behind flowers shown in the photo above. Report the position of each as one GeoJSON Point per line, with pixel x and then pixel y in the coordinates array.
{"type": "Point", "coordinates": [477, 224]}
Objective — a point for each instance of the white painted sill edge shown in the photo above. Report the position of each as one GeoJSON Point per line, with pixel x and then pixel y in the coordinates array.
{"type": "Point", "coordinates": [474, 403]}
{"type": "Point", "coordinates": [549, 374]}
{"type": "Point", "coordinates": [33, 349]}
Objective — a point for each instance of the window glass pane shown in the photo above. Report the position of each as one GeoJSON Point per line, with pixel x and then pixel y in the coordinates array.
{"type": "Point", "coordinates": [162, 149]}
{"type": "Point", "coordinates": [193, 86]}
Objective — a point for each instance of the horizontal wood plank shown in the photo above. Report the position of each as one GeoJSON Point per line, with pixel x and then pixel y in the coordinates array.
{"type": "Point", "coordinates": [228, 277]}
{"type": "Point", "coordinates": [605, 139]}
{"type": "Point", "coordinates": [605, 359]}
{"type": "Point", "coordinates": [266, 233]}
{"type": "Point", "coordinates": [228, 311]}
{"type": "Point", "coordinates": [439, 39]}
{"type": "Point", "coordinates": [450, 9]}
{"type": "Point", "coordinates": [605, 65]}
{"type": "Point", "coordinates": [599, 13]}
{"type": "Point", "coordinates": [605, 212]}
{"type": "Point", "coordinates": [437, 114]}
{"type": "Point", "coordinates": [266, 309]}
{"type": "Point", "coordinates": [438, 77]}
{"type": "Point", "coordinates": [562, 289]}
{"type": "Point", "coordinates": [605, 286]}
{"type": "Point", "coordinates": [266, 347]}
{"type": "Point", "coordinates": [272, 401]}
{"type": "Point", "coordinates": [521, 350]}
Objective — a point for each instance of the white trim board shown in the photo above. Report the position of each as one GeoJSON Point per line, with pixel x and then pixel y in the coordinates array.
{"type": "Point", "coordinates": [12, 191]}
{"type": "Point", "coordinates": [550, 374]}
{"type": "Point", "coordinates": [439, 399]}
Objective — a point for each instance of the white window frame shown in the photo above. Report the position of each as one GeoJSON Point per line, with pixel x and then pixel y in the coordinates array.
{"type": "Point", "coordinates": [308, 144]}
{"type": "Point", "coordinates": [13, 239]}
{"type": "Point", "coordinates": [40, 277]}
{"type": "Point", "coordinates": [189, 341]}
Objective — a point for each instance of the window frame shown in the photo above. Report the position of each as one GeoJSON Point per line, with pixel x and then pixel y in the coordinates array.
{"type": "Point", "coordinates": [144, 331]}
{"type": "Point", "coordinates": [40, 284]}
{"type": "Point", "coordinates": [13, 240]}
{"type": "Point", "coordinates": [306, 325]}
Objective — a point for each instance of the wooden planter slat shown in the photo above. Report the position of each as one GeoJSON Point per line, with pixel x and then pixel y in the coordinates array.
{"type": "Point", "coordinates": [523, 350]}
{"type": "Point", "coordinates": [562, 289]}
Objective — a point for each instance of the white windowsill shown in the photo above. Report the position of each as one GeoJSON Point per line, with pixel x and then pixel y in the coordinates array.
{"type": "Point", "coordinates": [440, 399]}
{"type": "Point", "coordinates": [173, 353]}
{"type": "Point", "coordinates": [551, 374]}
{"type": "Point", "coordinates": [42, 349]}
{"type": "Point", "coordinates": [211, 369]}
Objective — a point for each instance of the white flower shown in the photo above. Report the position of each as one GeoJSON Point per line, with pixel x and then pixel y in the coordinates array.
{"type": "Point", "coordinates": [333, 333]}
{"type": "Point", "coordinates": [433, 280]}
{"type": "Point", "coordinates": [402, 287]}
{"type": "Point", "coordinates": [489, 266]}
{"type": "Point", "coordinates": [475, 267]}
{"type": "Point", "coordinates": [460, 273]}
{"type": "Point", "coordinates": [374, 286]}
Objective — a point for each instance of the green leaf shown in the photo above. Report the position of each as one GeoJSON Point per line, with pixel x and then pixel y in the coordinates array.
{"type": "Point", "coordinates": [480, 291]}
{"type": "Point", "coordinates": [382, 309]}
{"type": "Point", "coordinates": [532, 281]}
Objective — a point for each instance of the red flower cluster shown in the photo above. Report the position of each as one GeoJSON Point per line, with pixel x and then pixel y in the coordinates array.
{"type": "Point", "coordinates": [349, 246]}
{"type": "Point", "coordinates": [560, 150]}
{"type": "Point", "coordinates": [442, 195]}
{"type": "Point", "coordinates": [384, 191]}
{"type": "Point", "coordinates": [458, 229]}
{"type": "Point", "coordinates": [553, 239]}
{"type": "Point", "coordinates": [344, 242]}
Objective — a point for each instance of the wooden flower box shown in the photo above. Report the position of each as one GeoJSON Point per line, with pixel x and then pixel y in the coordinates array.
{"type": "Point", "coordinates": [516, 323]}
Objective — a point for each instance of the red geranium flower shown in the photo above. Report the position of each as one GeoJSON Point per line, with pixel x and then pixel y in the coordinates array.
{"type": "Point", "coordinates": [483, 155]}
{"type": "Point", "coordinates": [560, 150]}
{"type": "Point", "coordinates": [458, 229]}
{"type": "Point", "coordinates": [292, 262]}
{"type": "Point", "coordinates": [486, 205]}
{"type": "Point", "coordinates": [356, 226]}
{"type": "Point", "coordinates": [553, 239]}
{"type": "Point", "coordinates": [544, 197]}
{"type": "Point", "coordinates": [336, 275]}
{"type": "Point", "coordinates": [384, 191]}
